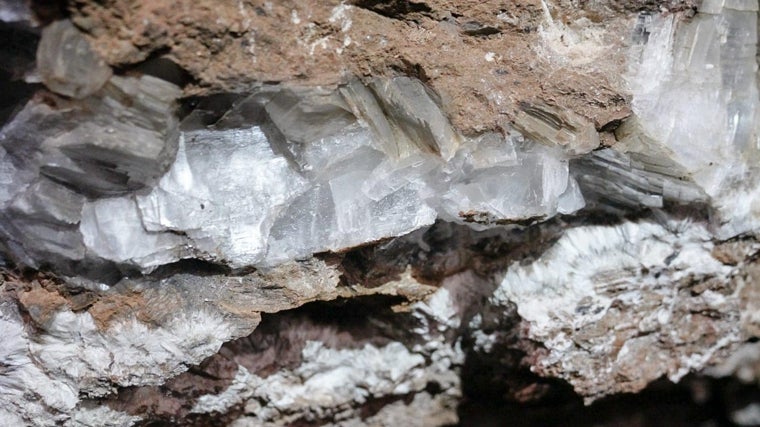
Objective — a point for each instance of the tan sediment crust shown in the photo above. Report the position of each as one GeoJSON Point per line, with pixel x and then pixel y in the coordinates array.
{"type": "Point", "coordinates": [484, 58]}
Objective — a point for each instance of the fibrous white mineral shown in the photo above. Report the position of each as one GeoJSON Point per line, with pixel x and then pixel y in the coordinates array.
{"type": "Point", "coordinates": [100, 416]}
{"type": "Point", "coordinates": [22, 375]}
{"type": "Point", "coordinates": [330, 382]}
{"type": "Point", "coordinates": [90, 360]}
{"type": "Point", "coordinates": [601, 287]}
{"type": "Point", "coordinates": [747, 416]}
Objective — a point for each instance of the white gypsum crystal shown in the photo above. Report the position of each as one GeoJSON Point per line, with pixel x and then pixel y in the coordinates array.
{"type": "Point", "coordinates": [695, 95]}
{"type": "Point", "coordinates": [224, 192]}
{"type": "Point", "coordinates": [405, 116]}
{"type": "Point", "coordinates": [282, 175]}
{"type": "Point", "coordinates": [236, 194]}
{"type": "Point", "coordinates": [112, 229]}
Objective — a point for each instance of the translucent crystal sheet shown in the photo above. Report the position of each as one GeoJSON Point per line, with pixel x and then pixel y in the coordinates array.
{"type": "Point", "coordinates": [229, 197]}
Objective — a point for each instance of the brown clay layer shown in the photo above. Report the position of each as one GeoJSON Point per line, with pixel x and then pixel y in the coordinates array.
{"type": "Point", "coordinates": [483, 57]}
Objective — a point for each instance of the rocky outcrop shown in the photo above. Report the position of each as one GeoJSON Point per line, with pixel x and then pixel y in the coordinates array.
{"type": "Point", "coordinates": [378, 213]}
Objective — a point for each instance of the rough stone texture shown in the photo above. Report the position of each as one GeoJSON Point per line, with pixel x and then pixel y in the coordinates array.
{"type": "Point", "coordinates": [152, 319]}
{"type": "Point", "coordinates": [521, 51]}
{"type": "Point", "coordinates": [654, 301]}
{"type": "Point", "coordinates": [380, 213]}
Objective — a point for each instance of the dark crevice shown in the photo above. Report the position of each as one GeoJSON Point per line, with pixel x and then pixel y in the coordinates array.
{"type": "Point", "coordinates": [15, 94]}
{"type": "Point", "coordinates": [191, 266]}
{"type": "Point", "coordinates": [160, 66]}
{"type": "Point", "coordinates": [206, 110]}
{"type": "Point", "coordinates": [695, 401]}
{"type": "Point", "coordinates": [170, 404]}
{"type": "Point", "coordinates": [476, 29]}
{"type": "Point", "coordinates": [47, 11]}
{"type": "Point", "coordinates": [412, 69]}
{"type": "Point", "coordinates": [18, 48]}
{"type": "Point", "coordinates": [278, 340]}
{"type": "Point", "coordinates": [275, 345]}
{"type": "Point", "coordinates": [402, 10]}
{"type": "Point", "coordinates": [445, 249]}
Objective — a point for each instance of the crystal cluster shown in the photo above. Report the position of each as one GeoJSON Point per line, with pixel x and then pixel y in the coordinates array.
{"type": "Point", "coordinates": [107, 181]}
{"type": "Point", "coordinates": [57, 154]}
{"type": "Point", "coordinates": [284, 175]}
{"type": "Point", "coordinates": [285, 172]}
{"type": "Point", "coordinates": [695, 90]}
{"type": "Point", "coordinates": [694, 134]}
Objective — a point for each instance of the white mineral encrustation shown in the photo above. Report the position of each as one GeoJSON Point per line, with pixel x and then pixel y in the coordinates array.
{"type": "Point", "coordinates": [102, 180]}
{"type": "Point", "coordinates": [282, 175]}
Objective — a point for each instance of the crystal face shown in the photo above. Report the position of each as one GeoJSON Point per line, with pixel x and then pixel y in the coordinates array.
{"type": "Point", "coordinates": [694, 133]}
{"type": "Point", "coordinates": [65, 151]}
{"type": "Point", "coordinates": [223, 191]}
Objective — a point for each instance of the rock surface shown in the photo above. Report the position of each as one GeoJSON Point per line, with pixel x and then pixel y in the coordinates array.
{"type": "Point", "coordinates": [380, 213]}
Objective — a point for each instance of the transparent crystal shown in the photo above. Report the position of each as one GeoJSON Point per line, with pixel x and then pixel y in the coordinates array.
{"type": "Point", "coordinates": [304, 227]}
{"type": "Point", "coordinates": [242, 196]}
{"type": "Point", "coordinates": [112, 229]}
{"type": "Point", "coordinates": [529, 190]}
{"type": "Point", "coordinates": [624, 181]}
{"type": "Point", "coordinates": [49, 201]}
{"type": "Point", "coordinates": [56, 153]}
{"type": "Point", "coordinates": [556, 126]}
{"type": "Point", "coordinates": [11, 177]}
{"type": "Point", "coordinates": [405, 116]}
{"type": "Point", "coordinates": [695, 90]}
{"type": "Point", "coordinates": [67, 63]}
{"type": "Point", "coordinates": [695, 96]}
